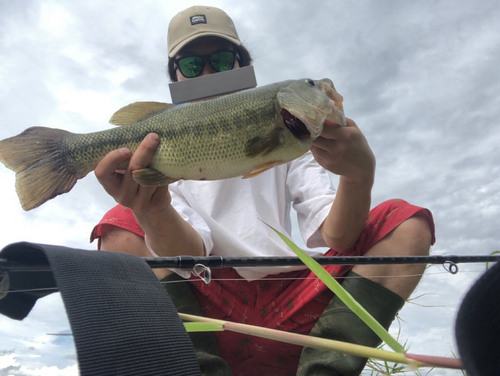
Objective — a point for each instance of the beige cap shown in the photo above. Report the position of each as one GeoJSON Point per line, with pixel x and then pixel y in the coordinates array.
{"type": "Point", "coordinates": [199, 21]}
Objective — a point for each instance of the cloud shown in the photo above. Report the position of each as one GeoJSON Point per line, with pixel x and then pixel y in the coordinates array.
{"type": "Point", "coordinates": [30, 343]}
{"type": "Point", "coordinates": [420, 80]}
{"type": "Point", "coordinates": [10, 366]}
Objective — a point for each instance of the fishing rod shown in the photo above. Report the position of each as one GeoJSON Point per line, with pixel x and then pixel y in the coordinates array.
{"type": "Point", "coordinates": [188, 262]}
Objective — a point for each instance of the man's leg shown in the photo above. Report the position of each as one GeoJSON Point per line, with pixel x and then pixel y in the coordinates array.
{"type": "Point", "coordinates": [381, 289]}
{"type": "Point", "coordinates": [411, 238]}
{"type": "Point", "coordinates": [182, 295]}
{"type": "Point", "coordinates": [116, 239]}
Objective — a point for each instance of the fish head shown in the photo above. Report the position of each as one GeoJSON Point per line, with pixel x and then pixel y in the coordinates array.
{"type": "Point", "coordinates": [305, 104]}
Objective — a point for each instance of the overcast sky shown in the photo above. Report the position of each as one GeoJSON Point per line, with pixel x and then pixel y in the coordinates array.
{"type": "Point", "coordinates": [421, 79]}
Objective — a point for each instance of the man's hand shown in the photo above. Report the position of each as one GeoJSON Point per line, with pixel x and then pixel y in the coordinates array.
{"type": "Point", "coordinates": [121, 185]}
{"type": "Point", "coordinates": [344, 151]}
{"type": "Point", "coordinates": [167, 232]}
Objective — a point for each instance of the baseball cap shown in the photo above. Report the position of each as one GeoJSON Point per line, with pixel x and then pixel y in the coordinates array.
{"type": "Point", "coordinates": [199, 21]}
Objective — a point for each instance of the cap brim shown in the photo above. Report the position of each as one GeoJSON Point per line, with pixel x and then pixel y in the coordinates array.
{"type": "Point", "coordinates": [179, 47]}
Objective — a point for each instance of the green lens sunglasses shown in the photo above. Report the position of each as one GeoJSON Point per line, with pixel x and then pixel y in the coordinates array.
{"type": "Point", "coordinates": [192, 66]}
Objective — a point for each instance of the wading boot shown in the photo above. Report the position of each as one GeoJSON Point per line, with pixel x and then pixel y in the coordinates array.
{"type": "Point", "coordinates": [204, 343]}
{"type": "Point", "coordinates": [339, 323]}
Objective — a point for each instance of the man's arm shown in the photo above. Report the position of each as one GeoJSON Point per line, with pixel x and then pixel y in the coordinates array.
{"type": "Point", "coordinates": [168, 234]}
{"type": "Point", "coordinates": [344, 151]}
{"type": "Point", "coordinates": [347, 216]}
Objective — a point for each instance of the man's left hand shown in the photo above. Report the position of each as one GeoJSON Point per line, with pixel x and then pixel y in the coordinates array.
{"type": "Point", "coordinates": [345, 151]}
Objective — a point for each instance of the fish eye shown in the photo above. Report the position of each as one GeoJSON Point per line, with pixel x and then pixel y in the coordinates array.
{"type": "Point", "coordinates": [310, 82]}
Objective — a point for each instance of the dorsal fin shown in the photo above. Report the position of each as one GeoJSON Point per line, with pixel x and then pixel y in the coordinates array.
{"type": "Point", "coordinates": [136, 111]}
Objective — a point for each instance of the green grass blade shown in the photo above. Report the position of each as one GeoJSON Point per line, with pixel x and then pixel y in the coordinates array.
{"type": "Point", "coordinates": [343, 295]}
{"type": "Point", "coordinates": [195, 327]}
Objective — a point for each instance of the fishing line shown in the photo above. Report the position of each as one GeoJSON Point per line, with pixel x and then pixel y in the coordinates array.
{"type": "Point", "coordinates": [316, 278]}
{"type": "Point", "coordinates": [267, 279]}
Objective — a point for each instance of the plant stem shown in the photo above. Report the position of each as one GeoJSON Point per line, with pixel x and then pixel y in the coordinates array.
{"type": "Point", "coordinates": [304, 340]}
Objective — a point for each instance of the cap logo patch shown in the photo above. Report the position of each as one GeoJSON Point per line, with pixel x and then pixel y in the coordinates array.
{"type": "Point", "coordinates": [199, 19]}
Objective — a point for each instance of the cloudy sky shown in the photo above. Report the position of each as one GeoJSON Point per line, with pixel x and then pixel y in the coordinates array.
{"type": "Point", "coordinates": [421, 80]}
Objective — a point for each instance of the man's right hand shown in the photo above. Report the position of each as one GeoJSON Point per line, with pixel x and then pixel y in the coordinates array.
{"type": "Point", "coordinates": [122, 187]}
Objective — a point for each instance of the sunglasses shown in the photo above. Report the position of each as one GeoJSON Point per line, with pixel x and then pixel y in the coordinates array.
{"type": "Point", "coordinates": [192, 66]}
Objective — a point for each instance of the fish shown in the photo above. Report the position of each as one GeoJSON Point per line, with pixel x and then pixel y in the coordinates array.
{"type": "Point", "coordinates": [239, 134]}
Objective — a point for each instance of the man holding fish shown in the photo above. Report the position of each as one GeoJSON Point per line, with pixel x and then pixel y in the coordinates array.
{"type": "Point", "coordinates": [284, 139]}
{"type": "Point", "coordinates": [222, 217]}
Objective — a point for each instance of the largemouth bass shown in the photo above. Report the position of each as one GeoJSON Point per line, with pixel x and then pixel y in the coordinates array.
{"type": "Point", "coordinates": [240, 134]}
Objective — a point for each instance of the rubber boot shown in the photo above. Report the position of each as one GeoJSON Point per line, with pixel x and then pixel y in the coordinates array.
{"type": "Point", "coordinates": [204, 343]}
{"type": "Point", "coordinates": [339, 323]}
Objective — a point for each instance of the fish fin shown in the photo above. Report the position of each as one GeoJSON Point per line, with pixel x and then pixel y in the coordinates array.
{"type": "Point", "coordinates": [151, 177]}
{"type": "Point", "coordinates": [137, 111]}
{"type": "Point", "coordinates": [42, 171]}
{"type": "Point", "coordinates": [261, 168]}
{"type": "Point", "coordinates": [260, 146]}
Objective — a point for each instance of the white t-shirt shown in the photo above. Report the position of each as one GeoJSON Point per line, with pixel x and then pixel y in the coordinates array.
{"type": "Point", "coordinates": [229, 214]}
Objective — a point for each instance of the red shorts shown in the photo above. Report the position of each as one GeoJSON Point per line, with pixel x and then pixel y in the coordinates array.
{"type": "Point", "coordinates": [118, 216]}
{"type": "Point", "coordinates": [290, 301]}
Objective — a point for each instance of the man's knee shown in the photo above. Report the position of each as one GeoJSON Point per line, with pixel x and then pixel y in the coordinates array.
{"type": "Point", "coordinates": [415, 232]}
{"type": "Point", "coordinates": [117, 239]}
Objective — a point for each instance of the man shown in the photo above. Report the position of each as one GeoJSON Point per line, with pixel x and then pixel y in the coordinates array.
{"type": "Point", "coordinates": [223, 217]}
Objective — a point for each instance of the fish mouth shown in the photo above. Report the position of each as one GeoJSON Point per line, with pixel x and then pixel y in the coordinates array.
{"type": "Point", "coordinates": [295, 125]}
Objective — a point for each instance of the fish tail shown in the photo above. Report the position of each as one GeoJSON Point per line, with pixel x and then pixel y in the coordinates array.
{"type": "Point", "coordinates": [39, 159]}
